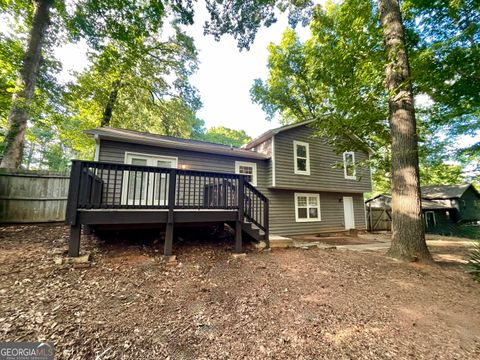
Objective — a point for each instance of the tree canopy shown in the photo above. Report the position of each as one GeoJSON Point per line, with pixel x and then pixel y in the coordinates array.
{"type": "Point", "coordinates": [225, 136]}
{"type": "Point", "coordinates": [336, 77]}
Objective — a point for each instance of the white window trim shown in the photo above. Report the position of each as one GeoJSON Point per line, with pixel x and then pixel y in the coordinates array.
{"type": "Point", "coordinates": [273, 162]}
{"type": "Point", "coordinates": [174, 159]}
{"type": "Point", "coordinates": [252, 165]}
{"type": "Point", "coordinates": [151, 156]}
{"type": "Point", "coordinates": [297, 195]}
{"type": "Point", "coordinates": [434, 218]}
{"type": "Point", "coordinates": [354, 177]}
{"type": "Point", "coordinates": [96, 155]}
{"type": "Point", "coordinates": [296, 171]}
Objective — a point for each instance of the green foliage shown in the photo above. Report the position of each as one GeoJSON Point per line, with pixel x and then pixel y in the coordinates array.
{"type": "Point", "coordinates": [10, 54]}
{"type": "Point", "coordinates": [152, 87]}
{"type": "Point", "coordinates": [44, 151]}
{"type": "Point", "coordinates": [444, 42]}
{"type": "Point", "coordinates": [124, 21]}
{"type": "Point", "coordinates": [473, 266]}
{"type": "Point", "coordinates": [126, 46]}
{"type": "Point", "coordinates": [48, 92]}
{"type": "Point", "coordinates": [225, 136]}
{"type": "Point", "coordinates": [243, 18]}
{"type": "Point", "coordinates": [335, 77]}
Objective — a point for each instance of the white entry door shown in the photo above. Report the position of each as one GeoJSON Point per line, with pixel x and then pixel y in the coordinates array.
{"type": "Point", "coordinates": [348, 212]}
{"type": "Point", "coordinates": [142, 188]}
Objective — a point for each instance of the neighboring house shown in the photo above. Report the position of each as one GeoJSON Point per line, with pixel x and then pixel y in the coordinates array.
{"type": "Point", "coordinates": [447, 209]}
{"type": "Point", "coordinates": [464, 199]}
{"type": "Point", "coordinates": [290, 183]}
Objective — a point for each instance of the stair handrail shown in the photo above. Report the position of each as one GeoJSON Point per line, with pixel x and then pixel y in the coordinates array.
{"type": "Point", "coordinates": [250, 215]}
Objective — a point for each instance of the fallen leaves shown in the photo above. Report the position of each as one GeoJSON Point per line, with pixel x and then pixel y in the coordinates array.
{"type": "Point", "coordinates": [286, 304]}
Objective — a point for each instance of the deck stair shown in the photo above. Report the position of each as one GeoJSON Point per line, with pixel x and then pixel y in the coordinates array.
{"type": "Point", "coordinates": [253, 231]}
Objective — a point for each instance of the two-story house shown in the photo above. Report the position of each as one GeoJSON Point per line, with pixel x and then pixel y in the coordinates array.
{"type": "Point", "coordinates": [284, 182]}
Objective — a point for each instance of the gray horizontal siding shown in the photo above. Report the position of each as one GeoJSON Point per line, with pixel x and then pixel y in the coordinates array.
{"type": "Point", "coordinates": [282, 213]}
{"type": "Point", "coordinates": [266, 148]}
{"type": "Point", "coordinates": [323, 174]}
{"type": "Point", "coordinates": [282, 204]}
{"type": "Point", "coordinates": [113, 151]}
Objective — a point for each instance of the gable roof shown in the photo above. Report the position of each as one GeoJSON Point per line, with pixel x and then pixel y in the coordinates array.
{"type": "Point", "coordinates": [138, 137]}
{"type": "Point", "coordinates": [445, 191]}
{"type": "Point", "coordinates": [426, 204]}
{"type": "Point", "coordinates": [272, 132]}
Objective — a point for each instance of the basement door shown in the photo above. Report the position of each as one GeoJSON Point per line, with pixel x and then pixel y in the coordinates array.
{"type": "Point", "coordinates": [348, 213]}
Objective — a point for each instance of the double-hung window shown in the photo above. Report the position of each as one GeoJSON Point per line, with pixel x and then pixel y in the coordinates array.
{"type": "Point", "coordinates": [307, 207]}
{"type": "Point", "coordinates": [301, 158]}
{"type": "Point", "coordinates": [248, 169]}
{"type": "Point", "coordinates": [349, 165]}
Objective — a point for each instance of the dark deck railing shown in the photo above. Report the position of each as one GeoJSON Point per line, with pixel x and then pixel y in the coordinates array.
{"type": "Point", "coordinates": [256, 207]}
{"type": "Point", "coordinates": [100, 185]}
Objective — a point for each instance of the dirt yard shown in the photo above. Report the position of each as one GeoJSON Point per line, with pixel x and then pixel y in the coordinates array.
{"type": "Point", "coordinates": [286, 304]}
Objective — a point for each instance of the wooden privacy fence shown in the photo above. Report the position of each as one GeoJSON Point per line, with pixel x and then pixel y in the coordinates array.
{"type": "Point", "coordinates": [379, 219]}
{"type": "Point", "coordinates": [32, 196]}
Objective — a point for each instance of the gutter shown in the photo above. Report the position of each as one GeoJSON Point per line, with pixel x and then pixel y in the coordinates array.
{"type": "Point", "coordinates": [180, 146]}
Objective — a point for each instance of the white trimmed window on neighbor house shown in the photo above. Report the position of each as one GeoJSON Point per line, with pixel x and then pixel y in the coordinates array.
{"type": "Point", "coordinates": [249, 169]}
{"type": "Point", "coordinates": [349, 165]}
{"type": "Point", "coordinates": [301, 155]}
{"type": "Point", "coordinates": [307, 207]}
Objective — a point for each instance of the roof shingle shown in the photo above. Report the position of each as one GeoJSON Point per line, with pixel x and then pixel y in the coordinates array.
{"type": "Point", "coordinates": [443, 191]}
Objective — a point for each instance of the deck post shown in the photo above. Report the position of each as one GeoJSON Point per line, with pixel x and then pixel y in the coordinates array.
{"type": "Point", "coordinates": [241, 198]}
{"type": "Point", "coordinates": [241, 215]}
{"type": "Point", "coordinates": [238, 237]}
{"type": "Point", "coordinates": [73, 193]}
{"type": "Point", "coordinates": [167, 251]}
{"type": "Point", "coordinates": [74, 242]}
{"type": "Point", "coordinates": [266, 223]}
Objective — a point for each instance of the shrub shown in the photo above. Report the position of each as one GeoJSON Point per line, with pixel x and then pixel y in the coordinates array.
{"type": "Point", "coordinates": [474, 263]}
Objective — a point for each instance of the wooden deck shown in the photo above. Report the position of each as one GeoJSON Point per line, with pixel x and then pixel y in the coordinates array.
{"type": "Point", "coordinates": [113, 194]}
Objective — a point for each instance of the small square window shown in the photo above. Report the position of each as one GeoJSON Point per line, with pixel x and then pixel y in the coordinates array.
{"type": "Point", "coordinates": [307, 207]}
{"type": "Point", "coordinates": [249, 170]}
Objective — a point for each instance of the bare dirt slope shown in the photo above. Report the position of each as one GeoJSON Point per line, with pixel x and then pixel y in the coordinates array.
{"type": "Point", "coordinates": [302, 304]}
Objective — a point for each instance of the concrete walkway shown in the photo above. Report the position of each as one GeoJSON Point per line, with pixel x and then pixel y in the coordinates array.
{"type": "Point", "coordinates": [377, 246]}
{"type": "Point", "coordinates": [366, 247]}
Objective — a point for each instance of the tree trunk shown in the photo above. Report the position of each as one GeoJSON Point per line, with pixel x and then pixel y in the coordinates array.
{"type": "Point", "coordinates": [112, 99]}
{"type": "Point", "coordinates": [25, 87]}
{"type": "Point", "coordinates": [408, 232]}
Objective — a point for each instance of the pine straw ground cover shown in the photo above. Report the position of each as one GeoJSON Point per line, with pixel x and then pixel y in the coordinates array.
{"type": "Point", "coordinates": [287, 304]}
